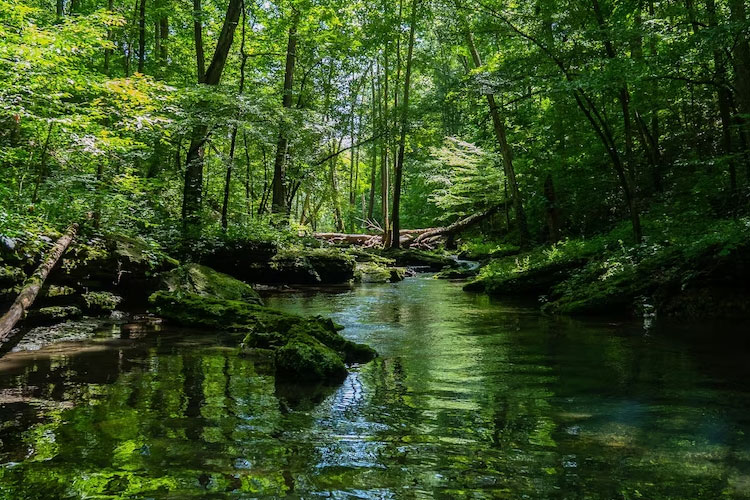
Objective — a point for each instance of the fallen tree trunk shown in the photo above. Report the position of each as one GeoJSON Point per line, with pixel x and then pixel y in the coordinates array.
{"type": "Point", "coordinates": [31, 289]}
{"type": "Point", "coordinates": [456, 227]}
{"type": "Point", "coordinates": [425, 237]}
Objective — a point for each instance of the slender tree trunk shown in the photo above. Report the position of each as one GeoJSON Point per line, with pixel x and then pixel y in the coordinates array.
{"type": "Point", "coordinates": [374, 152]}
{"type": "Point", "coordinates": [142, 37]}
{"type": "Point", "coordinates": [506, 153]}
{"type": "Point", "coordinates": [42, 164]}
{"type": "Point", "coordinates": [129, 51]}
{"type": "Point", "coordinates": [738, 16]}
{"type": "Point", "coordinates": [200, 57]}
{"type": "Point", "coordinates": [399, 168]}
{"type": "Point", "coordinates": [60, 9]}
{"type": "Point", "coordinates": [233, 142]}
{"type": "Point", "coordinates": [278, 204]}
{"type": "Point", "coordinates": [724, 101]}
{"type": "Point", "coordinates": [164, 30]}
{"type": "Point", "coordinates": [384, 198]}
{"type": "Point", "coordinates": [193, 190]}
{"type": "Point", "coordinates": [249, 192]}
{"type": "Point", "coordinates": [552, 210]}
{"type": "Point", "coordinates": [108, 50]}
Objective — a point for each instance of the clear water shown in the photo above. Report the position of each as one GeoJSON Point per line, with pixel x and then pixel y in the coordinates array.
{"type": "Point", "coordinates": [471, 398]}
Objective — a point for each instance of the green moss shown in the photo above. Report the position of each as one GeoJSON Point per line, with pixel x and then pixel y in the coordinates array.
{"type": "Point", "coordinates": [309, 348]}
{"type": "Point", "coordinates": [456, 274]}
{"type": "Point", "coordinates": [309, 359]}
{"type": "Point", "coordinates": [50, 315]}
{"type": "Point", "coordinates": [371, 272]}
{"type": "Point", "coordinates": [414, 257]}
{"type": "Point", "coordinates": [59, 291]}
{"type": "Point", "coordinates": [100, 302]}
{"type": "Point", "coordinates": [377, 272]}
{"type": "Point", "coordinates": [313, 265]}
{"type": "Point", "coordinates": [204, 281]}
{"type": "Point", "coordinates": [11, 276]}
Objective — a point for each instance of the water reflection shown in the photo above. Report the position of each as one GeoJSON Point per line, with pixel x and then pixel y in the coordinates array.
{"type": "Point", "coordinates": [471, 398]}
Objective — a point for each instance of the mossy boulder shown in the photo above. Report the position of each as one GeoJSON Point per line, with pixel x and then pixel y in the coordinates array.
{"type": "Point", "coordinates": [52, 315]}
{"type": "Point", "coordinates": [456, 273]}
{"type": "Point", "coordinates": [311, 266]}
{"type": "Point", "coordinates": [204, 281]}
{"type": "Point", "coordinates": [11, 276]}
{"type": "Point", "coordinates": [115, 261]}
{"type": "Point", "coordinates": [296, 265]}
{"type": "Point", "coordinates": [305, 348]}
{"type": "Point", "coordinates": [417, 258]}
{"type": "Point", "coordinates": [100, 302]}
{"type": "Point", "coordinates": [374, 272]}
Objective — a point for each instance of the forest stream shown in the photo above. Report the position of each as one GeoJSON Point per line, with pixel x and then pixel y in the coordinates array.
{"type": "Point", "coordinates": [471, 397]}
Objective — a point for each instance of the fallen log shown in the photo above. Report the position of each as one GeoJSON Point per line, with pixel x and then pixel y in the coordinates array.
{"type": "Point", "coordinates": [456, 227]}
{"type": "Point", "coordinates": [407, 235]}
{"type": "Point", "coordinates": [31, 289]}
{"type": "Point", "coordinates": [424, 238]}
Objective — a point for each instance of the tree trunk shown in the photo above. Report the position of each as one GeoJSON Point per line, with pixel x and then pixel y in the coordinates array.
{"type": "Point", "coordinates": [395, 242]}
{"type": "Point", "coordinates": [230, 164]}
{"type": "Point", "coordinates": [31, 289]}
{"type": "Point", "coordinates": [142, 37]}
{"type": "Point", "coordinates": [278, 203]}
{"type": "Point", "coordinates": [384, 155]}
{"type": "Point", "coordinates": [507, 154]}
{"type": "Point", "coordinates": [552, 211]}
{"type": "Point", "coordinates": [200, 57]}
{"type": "Point", "coordinates": [374, 152]}
{"type": "Point", "coordinates": [193, 189]}
{"type": "Point", "coordinates": [108, 51]}
{"type": "Point", "coordinates": [164, 30]}
{"type": "Point", "coordinates": [724, 101]}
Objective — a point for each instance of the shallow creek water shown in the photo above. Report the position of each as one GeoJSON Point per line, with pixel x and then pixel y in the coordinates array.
{"type": "Point", "coordinates": [471, 398]}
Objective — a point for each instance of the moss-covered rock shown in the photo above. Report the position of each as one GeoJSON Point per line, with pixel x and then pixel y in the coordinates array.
{"type": "Point", "coordinates": [307, 348]}
{"type": "Point", "coordinates": [375, 272]}
{"type": "Point", "coordinates": [114, 262]}
{"type": "Point", "coordinates": [417, 258]}
{"type": "Point", "coordinates": [204, 281]}
{"type": "Point", "coordinates": [456, 273]}
{"type": "Point", "coordinates": [11, 276]}
{"type": "Point", "coordinates": [309, 359]}
{"type": "Point", "coordinates": [51, 315]}
{"type": "Point", "coordinates": [312, 266]}
{"type": "Point", "coordinates": [100, 302]}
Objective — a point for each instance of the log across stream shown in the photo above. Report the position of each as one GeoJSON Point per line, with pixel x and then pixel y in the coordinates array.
{"type": "Point", "coordinates": [470, 397]}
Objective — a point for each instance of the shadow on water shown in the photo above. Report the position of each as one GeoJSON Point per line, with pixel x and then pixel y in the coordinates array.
{"type": "Point", "coordinates": [471, 397]}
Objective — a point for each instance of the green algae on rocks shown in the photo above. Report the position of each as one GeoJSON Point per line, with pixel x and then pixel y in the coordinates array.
{"type": "Point", "coordinates": [308, 349]}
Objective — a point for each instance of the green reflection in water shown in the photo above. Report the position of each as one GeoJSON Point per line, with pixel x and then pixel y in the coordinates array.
{"type": "Point", "coordinates": [471, 398]}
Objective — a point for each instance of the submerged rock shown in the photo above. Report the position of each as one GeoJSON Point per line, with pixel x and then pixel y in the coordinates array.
{"type": "Point", "coordinates": [308, 349]}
